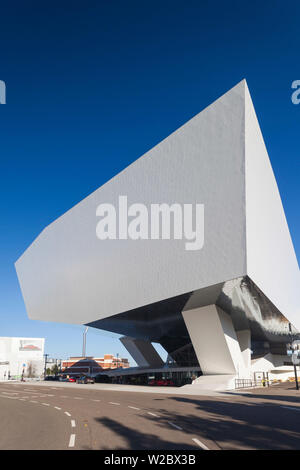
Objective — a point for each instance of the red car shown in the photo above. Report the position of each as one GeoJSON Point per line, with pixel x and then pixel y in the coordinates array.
{"type": "Point", "coordinates": [169, 382]}
{"type": "Point", "coordinates": [161, 382]}
{"type": "Point", "coordinates": [71, 379]}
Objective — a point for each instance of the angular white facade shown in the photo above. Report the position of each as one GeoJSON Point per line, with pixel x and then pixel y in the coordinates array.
{"type": "Point", "coordinates": [271, 259]}
{"type": "Point", "coordinates": [139, 288]}
{"type": "Point", "coordinates": [67, 268]}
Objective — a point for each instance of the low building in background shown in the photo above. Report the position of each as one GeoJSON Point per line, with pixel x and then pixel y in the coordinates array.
{"type": "Point", "coordinates": [92, 365]}
{"type": "Point", "coordinates": [21, 357]}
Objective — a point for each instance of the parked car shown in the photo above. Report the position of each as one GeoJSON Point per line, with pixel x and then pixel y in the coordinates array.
{"type": "Point", "coordinates": [161, 382]}
{"type": "Point", "coordinates": [85, 379]}
{"type": "Point", "coordinates": [169, 382]}
{"type": "Point", "coordinates": [152, 382]}
{"type": "Point", "coordinates": [67, 379]}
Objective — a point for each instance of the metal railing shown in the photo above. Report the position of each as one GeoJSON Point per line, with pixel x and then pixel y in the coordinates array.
{"type": "Point", "coordinates": [249, 383]}
{"type": "Point", "coordinates": [244, 383]}
{"type": "Point", "coordinates": [264, 382]}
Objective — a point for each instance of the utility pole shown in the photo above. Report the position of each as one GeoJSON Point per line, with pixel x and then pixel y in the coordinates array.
{"type": "Point", "coordinates": [84, 342]}
{"type": "Point", "coordinates": [294, 355]}
{"type": "Point", "coordinates": [46, 357]}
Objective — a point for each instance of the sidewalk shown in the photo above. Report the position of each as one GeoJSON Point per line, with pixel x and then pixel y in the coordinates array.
{"type": "Point", "coordinates": [186, 390]}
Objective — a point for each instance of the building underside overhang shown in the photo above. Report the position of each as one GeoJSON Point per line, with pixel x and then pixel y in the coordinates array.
{"type": "Point", "coordinates": [162, 322]}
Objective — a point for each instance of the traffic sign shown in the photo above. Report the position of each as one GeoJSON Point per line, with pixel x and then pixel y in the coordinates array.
{"type": "Point", "coordinates": [295, 358]}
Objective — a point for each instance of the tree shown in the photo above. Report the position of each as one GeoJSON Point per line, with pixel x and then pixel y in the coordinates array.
{"type": "Point", "coordinates": [55, 369]}
{"type": "Point", "coordinates": [31, 370]}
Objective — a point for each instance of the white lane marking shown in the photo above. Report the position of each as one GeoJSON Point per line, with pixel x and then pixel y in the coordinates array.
{"type": "Point", "coordinates": [152, 414]}
{"type": "Point", "coordinates": [95, 400]}
{"type": "Point", "coordinates": [113, 403]}
{"type": "Point", "coordinates": [78, 398]}
{"type": "Point", "coordinates": [290, 408]}
{"type": "Point", "coordinates": [18, 393]}
{"type": "Point", "coordinates": [134, 407]}
{"type": "Point", "coordinates": [66, 413]}
{"type": "Point", "coordinates": [72, 440]}
{"type": "Point", "coordinates": [33, 401]}
{"type": "Point", "coordinates": [21, 399]}
{"type": "Point", "coordinates": [174, 425]}
{"type": "Point", "coordinates": [46, 404]}
{"type": "Point", "coordinates": [200, 444]}
{"type": "Point", "coordinates": [73, 424]}
{"type": "Point", "coordinates": [57, 408]}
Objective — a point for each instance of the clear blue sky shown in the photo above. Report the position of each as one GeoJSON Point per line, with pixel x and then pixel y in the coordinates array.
{"type": "Point", "coordinates": [93, 85]}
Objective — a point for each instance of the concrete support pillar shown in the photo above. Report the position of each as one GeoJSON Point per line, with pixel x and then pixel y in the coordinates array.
{"type": "Point", "coordinates": [215, 341]}
{"type": "Point", "coordinates": [143, 352]}
{"type": "Point", "coordinates": [244, 339]}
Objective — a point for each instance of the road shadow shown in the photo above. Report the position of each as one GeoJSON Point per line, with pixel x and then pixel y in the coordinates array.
{"type": "Point", "coordinates": [245, 425]}
{"type": "Point", "coordinates": [227, 425]}
{"type": "Point", "coordinates": [270, 396]}
{"type": "Point", "coordinates": [137, 440]}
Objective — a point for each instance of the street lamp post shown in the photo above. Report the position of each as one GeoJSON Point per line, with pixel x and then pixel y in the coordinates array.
{"type": "Point", "coordinates": [84, 342]}
{"type": "Point", "coordinates": [295, 359]}
{"type": "Point", "coordinates": [46, 356]}
{"type": "Point", "coordinates": [296, 378]}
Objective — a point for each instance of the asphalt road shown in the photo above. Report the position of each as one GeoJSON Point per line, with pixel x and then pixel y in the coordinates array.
{"type": "Point", "coordinates": [70, 416]}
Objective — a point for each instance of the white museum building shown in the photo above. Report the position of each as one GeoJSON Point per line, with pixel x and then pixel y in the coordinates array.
{"type": "Point", "coordinates": [225, 308]}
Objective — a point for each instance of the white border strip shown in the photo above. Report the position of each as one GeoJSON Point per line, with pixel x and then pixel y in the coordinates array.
{"type": "Point", "coordinates": [72, 440]}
